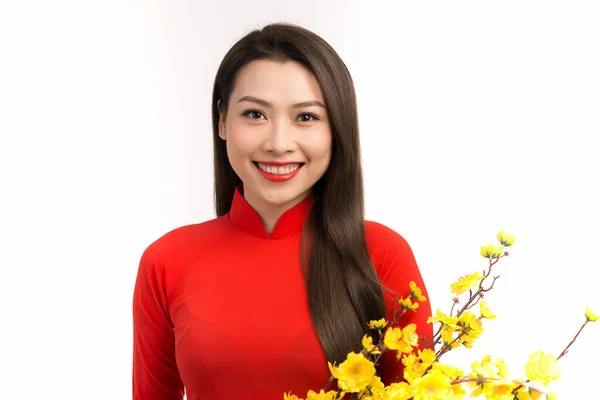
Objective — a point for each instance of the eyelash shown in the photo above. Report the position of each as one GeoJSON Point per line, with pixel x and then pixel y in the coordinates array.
{"type": "Point", "coordinates": [261, 113]}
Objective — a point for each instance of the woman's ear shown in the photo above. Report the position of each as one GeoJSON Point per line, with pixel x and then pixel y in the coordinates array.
{"type": "Point", "coordinates": [222, 132]}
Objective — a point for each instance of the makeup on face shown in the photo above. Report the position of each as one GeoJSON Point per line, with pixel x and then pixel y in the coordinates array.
{"type": "Point", "coordinates": [278, 135]}
{"type": "Point", "coordinates": [278, 171]}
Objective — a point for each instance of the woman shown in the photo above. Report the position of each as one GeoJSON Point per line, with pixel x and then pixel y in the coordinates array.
{"type": "Point", "coordinates": [254, 303]}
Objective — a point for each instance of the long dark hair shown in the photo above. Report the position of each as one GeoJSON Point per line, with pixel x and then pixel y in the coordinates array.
{"type": "Point", "coordinates": [344, 292]}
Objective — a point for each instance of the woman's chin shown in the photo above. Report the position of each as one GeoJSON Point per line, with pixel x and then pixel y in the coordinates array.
{"type": "Point", "coordinates": [279, 199]}
{"type": "Point", "coordinates": [283, 196]}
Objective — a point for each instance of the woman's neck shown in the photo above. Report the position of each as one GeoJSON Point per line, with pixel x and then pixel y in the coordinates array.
{"type": "Point", "coordinates": [269, 212]}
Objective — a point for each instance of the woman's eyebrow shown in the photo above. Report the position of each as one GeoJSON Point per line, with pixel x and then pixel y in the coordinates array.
{"type": "Point", "coordinates": [265, 103]}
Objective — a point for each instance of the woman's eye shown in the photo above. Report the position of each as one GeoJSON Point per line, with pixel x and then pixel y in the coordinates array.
{"type": "Point", "coordinates": [256, 115]}
{"type": "Point", "coordinates": [253, 114]}
{"type": "Point", "coordinates": [314, 117]}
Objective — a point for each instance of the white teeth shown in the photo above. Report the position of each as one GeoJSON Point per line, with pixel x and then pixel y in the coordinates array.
{"type": "Point", "coordinates": [279, 170]}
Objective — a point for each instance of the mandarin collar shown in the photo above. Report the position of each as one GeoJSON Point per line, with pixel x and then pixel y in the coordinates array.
{"type": "Point", "coordinates": [245, 218]}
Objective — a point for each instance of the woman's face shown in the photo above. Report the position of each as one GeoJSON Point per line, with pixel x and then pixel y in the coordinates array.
{"type": "Point", "coordinates": [277, 132]}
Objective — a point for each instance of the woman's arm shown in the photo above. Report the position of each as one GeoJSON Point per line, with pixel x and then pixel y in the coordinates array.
{"type": "Point", "coordinates": [155, 373]}
{"type": "Point", "coordinates": [396, 266]}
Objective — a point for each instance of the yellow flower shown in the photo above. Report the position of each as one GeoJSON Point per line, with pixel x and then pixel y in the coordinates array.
{"type": "Point", "coordinates": [289, 396]}
{"type": "Point", "coordinates": [457, 392]}
{"type": "Point", "coordinates": [484, 368]}
{"type": "Point", "coordinates": [448, 337]}
{"type": "Point", "coordinates": [491, 251]}
{"type": "Point", "coordinates": [452, 373]}
{"type": "Point", "coordinates": [415, 367]}
{"type": "Point", "coordinates": [407, 304]}
{"type": "Point", "coordinates": [500, 389]}
{"type": "Point", "coordinates": [402, 340]}
{"type": "Point", "coordinates": [376, 386]}
{"type": "Point", "coordinates": [378, 324]}
{"type": "Point", "coordinates": [529, 394]}
{"type": "Point", "coordinates": [409, 332]}
{"type": "Point", "coordinates": [485, 311]}
{"type": "Point", "coordinates": [427, 356]}
{"type": "Point", "coordinates": [331, 395]}
{"type": "Point", "coordinates": [448, 320]}
{"type": "Point", "coordinates": [506, 239]}
{"type": "Point", "coordinates": [416, 292]}
{"type": "Point", "coordinates": [367, 343]}
{"type": "Point", "coordinates": [448, 370]}
{"type": "Point", "coordinates": [469, 282]}
{"type": "Point", "coordinates": [433, 386]}
{"type": "Point", "coordinates": [354, 374]}
{"type": "Point", "coordinates": [502, 368]}
{"type": "Point", "coordinates": [491, 389]}
{"type": "Point", "coordinates": [398, 391]}
{"type": "Point", "coordinates": [542, 367]}
{"type": "Point", "coordinates": [471, 328]}
{"type": "Point", "coordinates": [469, 320]}
{"type": "Point", "coordinates": [393, 338]}
{"type": "Point", "coordinates": [412, 368]}
{"type": "Point", "coordinates": [590, 315]}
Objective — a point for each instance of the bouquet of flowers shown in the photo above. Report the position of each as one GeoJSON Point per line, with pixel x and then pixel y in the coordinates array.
{"type": "Point", "coordinates": [425, 377]}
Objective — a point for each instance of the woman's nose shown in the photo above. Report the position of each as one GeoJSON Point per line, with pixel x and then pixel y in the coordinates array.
{"type": "Point", "coordinates": [280, 140]}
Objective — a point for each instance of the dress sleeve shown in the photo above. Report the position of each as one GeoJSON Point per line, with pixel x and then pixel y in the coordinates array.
{"type": "Point", "coordinates": [397, 267]}
{"type": "Point", "coordinates": [155, 373]}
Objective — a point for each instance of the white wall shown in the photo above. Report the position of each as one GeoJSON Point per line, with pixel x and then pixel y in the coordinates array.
{"type": "Point", "coordinates": [475, 117]}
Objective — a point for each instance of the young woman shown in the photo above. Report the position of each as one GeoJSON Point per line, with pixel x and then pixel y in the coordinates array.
{"type": "Point", "coordinates": [254, 303]}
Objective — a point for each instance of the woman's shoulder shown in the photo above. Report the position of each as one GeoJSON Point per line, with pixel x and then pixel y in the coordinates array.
{"type": "Point", "coordinates": [185, 238]}
{"type": "Point", "coordinates": [166, 261]}
{"type": "Point", "coordinates": [380, 236]}
{"type": "Point", "coordinates": [386, 246]}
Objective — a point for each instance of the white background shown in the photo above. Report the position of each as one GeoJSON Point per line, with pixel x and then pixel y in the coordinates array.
{"type": "Point", "coordinates": [475, 117]}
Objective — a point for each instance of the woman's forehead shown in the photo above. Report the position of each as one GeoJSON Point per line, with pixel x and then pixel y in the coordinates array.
{"type": "Point", "coordinates": [277, 84]}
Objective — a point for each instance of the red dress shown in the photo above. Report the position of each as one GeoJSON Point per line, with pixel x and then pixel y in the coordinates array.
{"type": "Point", "coordinates": [220, 308]}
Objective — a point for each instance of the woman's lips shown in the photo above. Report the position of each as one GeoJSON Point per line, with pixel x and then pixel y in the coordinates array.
{"type": "Point", "coordinates": [278, 171]}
